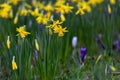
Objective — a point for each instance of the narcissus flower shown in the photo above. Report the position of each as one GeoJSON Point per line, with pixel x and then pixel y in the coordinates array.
{"type": "Point", "coordinates": [112, 2]}
{"type": "Point", "coordinates": [48, 8]}
{"type": "Point", "coordinates": [41, 19]}
{"type": "Point", "coordinates": [60, 30]}
{"type": "Point", "coordinates": [62, 17]}
{"type": "Point", "coordinates": [57, 28]}
{"type": "Point", "coordinates": [109, 9]}
{"type": "Point", "coordinates": [95, 2]}
{"type": "Point", "coordinates": [80, 11]}
{"type": "Point", "coordinates": [11, 14]}
{"type": "Point", "coordinates": [14, 2]}
{"type": "Point", "coordinates": [8, 42]}
{"type": "Point", "coordinates": [5, 10]}
{"type": "Point", "coordinates": [35, 12]}
{"type": "Point", "coordinates": [76, 1]}
{"type": "Point", "coordinates": [59, 3]}
{"type": "Point", "coordinates": [112, 68]}
{"type": "Point", "coordinates": [15, 19]}
{"type": "Point", "coordinates": [48, 15]}
{"type": "Point", "coordinates": [37, 45]}
{"type": "Point", "coordinates": [14, 65]}
{"type": "Point", "coordinates": [23, 11]}
{"type": "Point", "coordinates": [22, 32]}
{"type": "Point", "coordinates": [64, 9]}
{"type": "Point", "coordinates": [82, 8]}
{"type": "Point", "coordinates": [85, 6]}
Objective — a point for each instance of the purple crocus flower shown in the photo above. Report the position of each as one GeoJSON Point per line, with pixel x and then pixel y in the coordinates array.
{"type": "Point", "coordinates": [83, 52]}
{"type": "Point", "coordinates": [36, 54]}
{"type": "Point", "coordinates": [116, 45]}
{"type": "Point", "coordinates": [105, 11]}
{"type": "Point", "coordinates": [102, 46]}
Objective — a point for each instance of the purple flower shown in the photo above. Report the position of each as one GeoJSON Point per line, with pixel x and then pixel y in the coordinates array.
{"type": "Point", "coordinates": [36, 54]}
{"type": "Point", "coordinates": [105, 11]}
{"type": "Point", "coordinates": [83, 52]}
{"type": "Point", "coordinates": [102, 46]}
{"type": "Point", "coordinates": [116, 45]}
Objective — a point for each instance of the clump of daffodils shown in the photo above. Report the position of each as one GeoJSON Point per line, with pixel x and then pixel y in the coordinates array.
{"type": "Point", "coordinates": [85, 6]}
{"type": "Point", "coordinates": [5, 10]}
{"type": "Point", "coordinates": [82, 8]}
{"type": "Point", "coordinates": [57, 28]}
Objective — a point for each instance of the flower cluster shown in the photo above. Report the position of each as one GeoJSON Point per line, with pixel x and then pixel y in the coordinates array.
{"type": "Point", "coordinates": [5, 10]}
{"type": "Point", "coordinates": [57, 28]}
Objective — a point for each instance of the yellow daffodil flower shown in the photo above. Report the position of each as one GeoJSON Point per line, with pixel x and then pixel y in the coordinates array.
{"type": "Point", "coordinates": [95, 2]}
{"type": "Point", "coordinates": [23, 11]}
{"type": "Point", "coordinates": [48, 15]}
{"type": "Point", "coordinates": [48, 8]}
{"type": "Point", "coordinates": [6, 7]}
{"type": "Point", "coordinates": [8, 42]}
{"type": "Point", "coordinates": [39, 19]}
{"type": "Point", "coordinates": [57, 28]}
{"type": "Point", "coordinates": [59, 3]}
{"type": "Point", "coordinates": [15, 19]}
{"type": "Point", "coordinates": [112, 2]}
{"type": "Point", "coordinates": [45, 20]}
{"type": "Point", "coordinates": [62, 17]}
{"type": "Point", "coordinates": [113, 68]}
{"type": "Point", "coordinates": [22, 31]}
{"type": "Point", "coordinates": [35, 12]}
{"type": "Point", "coordinates": [14, 2]}
{"type": "Point", "coordinates": [5, 10]}
{"type": "Point", "coordinates": [60, 30]}
{"type": "Point", "coordinates": [37, 45]}
{"type": "Point", "coordinates": [11, 14]}
{"type": "Point", "coordinates": [109, 9]}
{"type": "Point", "coordinates": [14, 65]}
{"type": "Point", "coordinates": [42, 20]}
{"type": "Point", "coordinates": [80, 11]}
{"type": "Point", "coordinates": [64, 9]}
